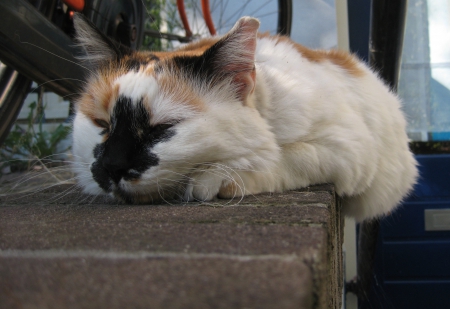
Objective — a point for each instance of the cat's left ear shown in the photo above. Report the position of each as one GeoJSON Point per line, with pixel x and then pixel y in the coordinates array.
{"type": "Point", "coordinates": [234, 56]}
{"type": "Point", "coordinates": [99, 48]}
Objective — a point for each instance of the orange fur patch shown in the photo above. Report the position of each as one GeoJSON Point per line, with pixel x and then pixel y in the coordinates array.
{"type": "Point", "coordinates": [97, 102]}
{"type": "Point", "coordinates": [180, 91]}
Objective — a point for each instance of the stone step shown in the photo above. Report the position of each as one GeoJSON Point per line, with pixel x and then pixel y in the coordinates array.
{"type": "Point", "coordinates": [61, 249]}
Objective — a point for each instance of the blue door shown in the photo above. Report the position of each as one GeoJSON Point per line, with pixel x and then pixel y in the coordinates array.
{"type": "Point", "coordinates": [412, 264]}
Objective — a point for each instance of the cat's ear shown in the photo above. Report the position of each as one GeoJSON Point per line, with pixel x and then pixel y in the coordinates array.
{"type": "Point", "coordinates": [99, 48]}
{"type": "Point", "coordinates": [234, 56]}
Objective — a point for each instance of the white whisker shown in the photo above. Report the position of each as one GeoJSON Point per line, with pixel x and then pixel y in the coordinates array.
{"type": "Point", "coordinates": [53, 54]}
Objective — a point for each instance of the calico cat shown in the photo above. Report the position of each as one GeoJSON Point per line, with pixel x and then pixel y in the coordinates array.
{"type": "Point", "coordinates": [234, 115]}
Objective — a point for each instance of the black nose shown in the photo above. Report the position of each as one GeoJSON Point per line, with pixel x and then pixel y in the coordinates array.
{"type": "Point", "coordinates": [117, 168]}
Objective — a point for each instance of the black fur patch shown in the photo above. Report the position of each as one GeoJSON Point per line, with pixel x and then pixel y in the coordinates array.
{"type": "Point", "coordinates": [134, 64]}
{"type": "Point", "coordinates": [206, 66]}
{"type": "Point", "coordinates": [126, 152]}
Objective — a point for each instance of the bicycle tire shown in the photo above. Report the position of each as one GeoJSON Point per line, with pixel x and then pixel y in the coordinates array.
{"type": "Point", "coordinates": [14, 88]}
{"type": "Point", "coordinates": [275, 17]}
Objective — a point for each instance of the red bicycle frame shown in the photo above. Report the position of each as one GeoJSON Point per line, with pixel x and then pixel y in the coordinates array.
{"type": "Point", "coordinates": [206, 16]}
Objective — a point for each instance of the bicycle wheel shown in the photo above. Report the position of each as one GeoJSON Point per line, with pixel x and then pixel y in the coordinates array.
{"type": "Point", "coordinates": [164, 18]}
{"type": "Point", "coordinates": [122, 20]}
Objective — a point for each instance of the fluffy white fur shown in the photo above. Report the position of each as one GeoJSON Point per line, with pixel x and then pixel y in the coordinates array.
{"type": "Point", "coordinates": [303, 123]}
{"type": "Point", "coordinates": [85, 137]}
{"type": "Point", "coordinates": [146, 87]}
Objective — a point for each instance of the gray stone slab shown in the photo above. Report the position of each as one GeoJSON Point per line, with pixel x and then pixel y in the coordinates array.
{"type": "Point", "coordinates": [62, 249]}
{"type": "Point", "coordinates": [89, 282]}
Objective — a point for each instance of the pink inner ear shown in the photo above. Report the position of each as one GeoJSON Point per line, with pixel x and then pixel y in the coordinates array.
{"type": "Point", "coordinates": [245, 84]}
{"type": "Point", "coordinates": [241, 60]}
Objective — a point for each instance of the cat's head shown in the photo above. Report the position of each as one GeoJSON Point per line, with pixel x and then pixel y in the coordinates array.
{"type": "Point", "coordinates": [145, 122]}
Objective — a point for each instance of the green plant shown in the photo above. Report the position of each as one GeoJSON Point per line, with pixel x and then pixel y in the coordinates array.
{"type": "Point", "coordinates": [163, 16]}
{"type": "Point", "coordinates": [25, 146]}
{"type": "Point", "coordinates": [153, 22]}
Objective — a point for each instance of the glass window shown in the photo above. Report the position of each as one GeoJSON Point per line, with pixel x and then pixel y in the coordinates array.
{"type": "Point", "coordinates": [314, 23]}
{"type": "Point", "coordinates": [424, 83]}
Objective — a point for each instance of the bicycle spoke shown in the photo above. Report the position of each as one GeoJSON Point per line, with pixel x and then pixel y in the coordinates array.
{"type": "Point", "coordinates": [223, 7]}
{"type": "Point", "coordinates": [203, 29]}
{"type": "Point", "coordinates": [268, 14]}
{"type": "Point", "coordinates": [236, 14]}
{"type": "Point", "coordinates": [263, 5]}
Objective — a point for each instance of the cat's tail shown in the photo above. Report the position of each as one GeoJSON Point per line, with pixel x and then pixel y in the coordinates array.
{"type": "Point", "coordinates": [393, 181]}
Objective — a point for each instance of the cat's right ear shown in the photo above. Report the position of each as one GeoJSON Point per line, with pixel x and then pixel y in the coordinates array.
{"type": "Point", "coordinates": [233, 57]}
{"type": "Point", "coordinates": [98, 47]}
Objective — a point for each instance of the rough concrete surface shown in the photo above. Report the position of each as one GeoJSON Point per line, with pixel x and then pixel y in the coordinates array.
{"type": "Point", "coordinates": [62, 249]}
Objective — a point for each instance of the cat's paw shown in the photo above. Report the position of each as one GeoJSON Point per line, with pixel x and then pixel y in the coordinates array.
{"type": "Point", "coordinates": [230, 190]}
{"type": "Point", "coordinates": [202, 187]}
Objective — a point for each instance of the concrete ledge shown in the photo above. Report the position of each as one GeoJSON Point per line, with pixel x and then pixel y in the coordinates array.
{"type": "Point", "coordinates": [61, 249]}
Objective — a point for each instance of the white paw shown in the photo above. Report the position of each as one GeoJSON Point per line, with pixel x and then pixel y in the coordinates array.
{"type": "Point", "coordinates": [202, 187]}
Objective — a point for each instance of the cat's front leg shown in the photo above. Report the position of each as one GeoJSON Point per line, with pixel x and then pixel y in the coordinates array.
{"type": "Point", "coordinates": [203, 186]}
{"type": "Point", "coordinates": [226, 183]}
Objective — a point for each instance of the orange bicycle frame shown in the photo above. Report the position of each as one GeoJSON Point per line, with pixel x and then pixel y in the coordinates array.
{"type": "Point", "coordinates": [206, 16]}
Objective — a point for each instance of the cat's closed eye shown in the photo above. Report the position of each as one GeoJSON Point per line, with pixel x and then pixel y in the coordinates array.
{"type": "Point", "coordinates": [161, 127]}
{"type": "Point", "coordinates": [158, 131]}
{"type": "Point", "coordinates": [155, 132]}
{"type": "Point", "coordinates": [102, 124]}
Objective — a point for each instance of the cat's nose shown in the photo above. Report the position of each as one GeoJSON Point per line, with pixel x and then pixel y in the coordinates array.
{"type": "Point", "coordinates": [116, 169]}
{"type": "Point", "coordinates": [115, 172]}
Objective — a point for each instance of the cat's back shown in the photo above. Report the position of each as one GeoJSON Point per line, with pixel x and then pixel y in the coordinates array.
{"type": "Point", "coordinates": [335, 104]}
{"type": "Point", "coordinates": [292, 58]}
{"type": "Point", "coordinates": [325, 85]}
